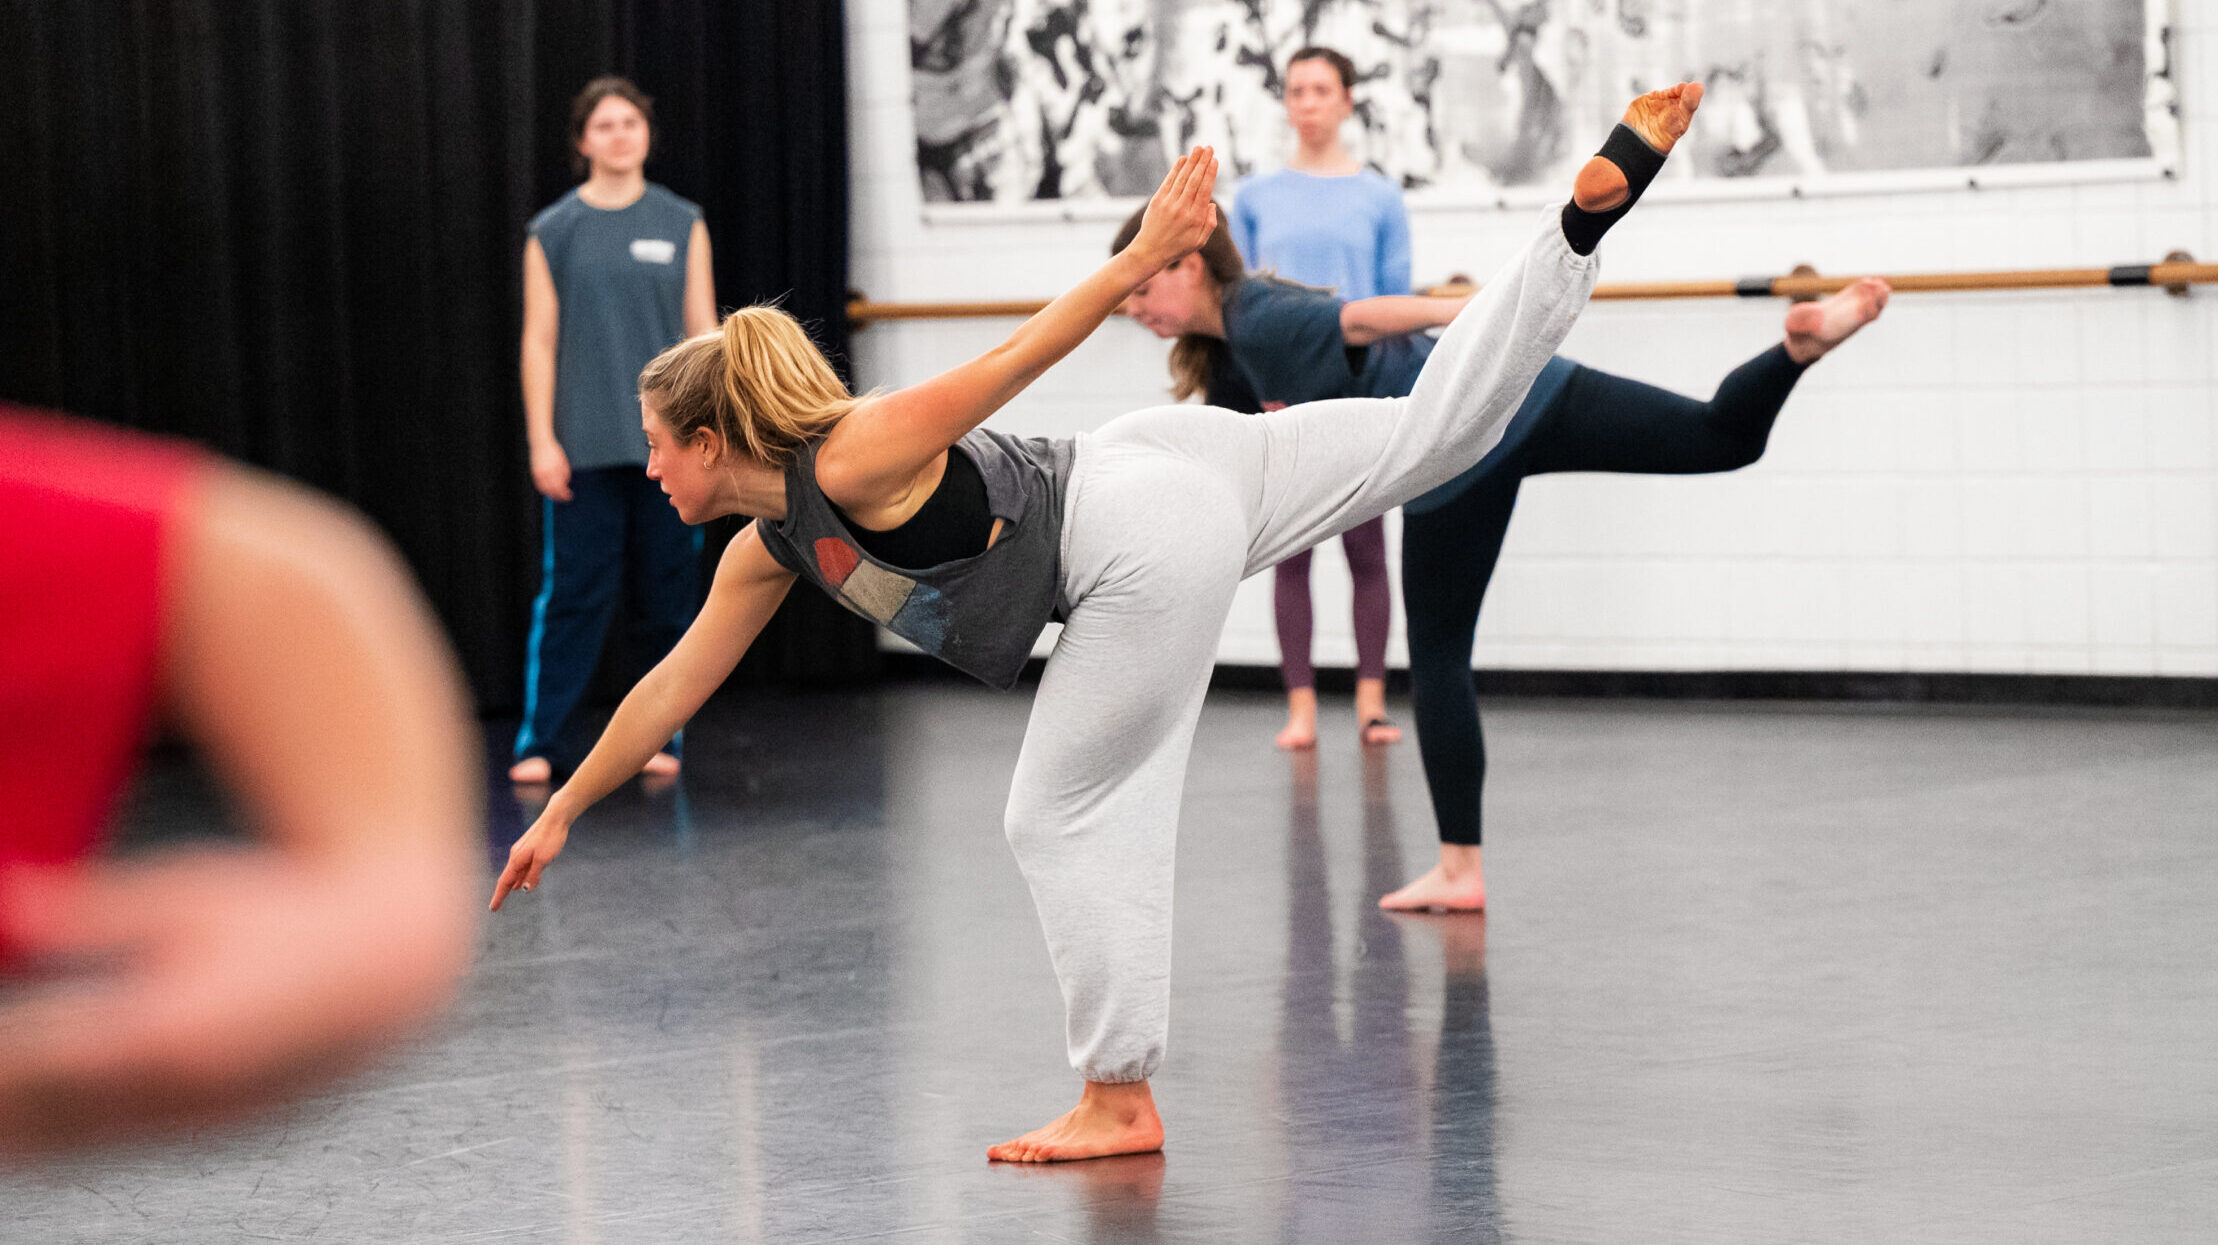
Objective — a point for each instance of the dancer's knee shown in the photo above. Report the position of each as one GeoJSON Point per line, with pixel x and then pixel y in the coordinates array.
{"type": "Point", "coordinates": [1440, 676]}
{"type": "Point", "coordinates": [1024, 824]}
{"type": "Point", "coordinates": [1736, 451]}
{"type": "Point", "coordinates": [1365, 547]}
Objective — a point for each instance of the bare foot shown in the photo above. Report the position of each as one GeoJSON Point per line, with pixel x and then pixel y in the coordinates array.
{"type": "Point", "coordinates": [1370, 714]}
{"type": "Point", "coordinates": [660, 765]}
{"type": "Point", "coordinates": [1301, 720]}
{"type": "Point", "coordinates": [531, 772]}
{"type": "Point", "coordinates": [1815, 328]}
{"type": "Point", "coordinates": [1661, 119]}
{"type": "Point", "coordinates": [1456, 884]}
{"type": "Point", "coordinates": [1109, 1119]}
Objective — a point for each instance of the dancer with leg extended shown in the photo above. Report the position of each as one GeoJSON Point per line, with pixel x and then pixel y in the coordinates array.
{"type": "Point", "coordinates": [1576, 419]}
{"type": "Point", "coordinates": [966, 542]}
{"type": "Point", "coordinates": [1293, 343]}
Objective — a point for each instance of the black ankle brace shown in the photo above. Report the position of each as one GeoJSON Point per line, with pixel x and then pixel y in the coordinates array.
{"type": "Point", "coordinates": [1639, 162]}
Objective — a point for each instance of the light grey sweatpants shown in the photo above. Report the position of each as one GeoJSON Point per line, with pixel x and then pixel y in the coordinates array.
{"type": "Point", "coordinates": [1168, 509]}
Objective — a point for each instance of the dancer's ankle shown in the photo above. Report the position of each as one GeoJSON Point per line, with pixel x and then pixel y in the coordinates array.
{"type": "Point", "coordinates": [1612, 181]}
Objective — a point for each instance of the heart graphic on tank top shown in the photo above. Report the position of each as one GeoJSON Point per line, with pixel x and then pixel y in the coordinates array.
{"type": "Point", "coordinates": [871, 591]}
{"type": "Point", "coordinates": [837, 559]}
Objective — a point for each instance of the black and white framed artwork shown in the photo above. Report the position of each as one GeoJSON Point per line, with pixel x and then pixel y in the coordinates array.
{"type": "Point", "coordinates": [1061, 101]}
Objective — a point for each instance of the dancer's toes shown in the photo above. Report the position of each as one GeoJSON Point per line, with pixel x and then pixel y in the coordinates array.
{"type": "Point", "coordinates": [1300, 734]}
{"type": "Point", "coordinates": [531, 771]}
{"type": "Point", "coordinates": [660, 765]}
{"type": "Point", "coordinates": [1813, 329]}
{"type": "Point", "coordinates": [1661, 117]}
{"type": "Point", "coordinates": [1436, 891]}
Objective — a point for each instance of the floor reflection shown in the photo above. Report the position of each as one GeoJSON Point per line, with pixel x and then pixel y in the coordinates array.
{"type": "Point", "coordinates": [1116, 1199]}
{"type": "Point", "coordinates": [1768, 974]}
{"type": "Point", "coordinates": [1362, 1086]}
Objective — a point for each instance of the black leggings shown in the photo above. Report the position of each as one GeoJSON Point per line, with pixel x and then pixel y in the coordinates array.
{"type": "Point", "coordinates": [1597, 422]}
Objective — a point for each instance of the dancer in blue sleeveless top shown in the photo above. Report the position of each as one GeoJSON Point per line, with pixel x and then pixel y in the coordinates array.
{"type": "Point", "coordinates": [614, 271]}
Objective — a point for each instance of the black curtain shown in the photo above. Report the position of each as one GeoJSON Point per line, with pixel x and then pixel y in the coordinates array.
{"type": "Point", "coordinates": [293, 229]}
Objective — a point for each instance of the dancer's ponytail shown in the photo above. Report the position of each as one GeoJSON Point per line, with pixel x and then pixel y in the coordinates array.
{"type": "Point", "coordinates": [757, 380]}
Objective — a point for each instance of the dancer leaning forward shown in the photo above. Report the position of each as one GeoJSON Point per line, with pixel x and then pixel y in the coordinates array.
{"type": "Point", "coordinates": [966, 542]}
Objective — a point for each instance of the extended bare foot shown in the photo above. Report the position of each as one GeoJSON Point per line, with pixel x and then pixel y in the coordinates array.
{"type": "Point", "coordinates": [1301, 720]}
{"type": "Point", "coordinates": [1456, 884]}
{"type": "Point", "coordinates": [1109, 1119]}
{"type": "Point", "coordinates": [660, 765]}
{"type": "Point", "coordinates": [1661, 119]}
{"type": "Point", "coordinates": [531, 772]}
{"type": "Point", "coordinates": [1370, 714]}
{"type": "Point", "coordinates": [1813, 329]}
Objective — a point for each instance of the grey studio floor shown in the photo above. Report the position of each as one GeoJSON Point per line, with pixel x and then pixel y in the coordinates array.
{"type": "Point", "coordinates": [1752, 973]}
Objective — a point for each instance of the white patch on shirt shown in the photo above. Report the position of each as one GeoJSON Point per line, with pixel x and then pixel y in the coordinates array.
{"type": "Point", "coordinates": [654, 250]}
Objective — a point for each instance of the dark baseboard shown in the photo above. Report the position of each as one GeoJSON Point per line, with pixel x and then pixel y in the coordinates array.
{"type": "Point", "coordinates": [2120, 691]}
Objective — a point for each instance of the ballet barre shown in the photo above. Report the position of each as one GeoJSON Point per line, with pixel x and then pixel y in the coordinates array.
{"type": "Point", "coordinates": [2174, 274]}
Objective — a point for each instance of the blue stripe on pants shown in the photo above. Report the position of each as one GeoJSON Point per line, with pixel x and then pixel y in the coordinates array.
{"type": "Point", "coordinates": [524, 738]}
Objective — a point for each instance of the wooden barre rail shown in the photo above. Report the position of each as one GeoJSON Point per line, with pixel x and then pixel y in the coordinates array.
{"type": "Point", "coordinates": [2174, 275]}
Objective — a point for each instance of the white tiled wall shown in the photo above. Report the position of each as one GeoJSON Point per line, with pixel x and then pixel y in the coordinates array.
{"type": "Point", "coordinates": [1993, 482]}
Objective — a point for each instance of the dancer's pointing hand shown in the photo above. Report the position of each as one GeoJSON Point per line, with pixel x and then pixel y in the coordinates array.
{"type": "Point", "coordinates": [530, 856]}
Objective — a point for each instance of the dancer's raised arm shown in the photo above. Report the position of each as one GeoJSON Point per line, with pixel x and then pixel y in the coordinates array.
{"type": "Point", "coordinates": [890, 439]}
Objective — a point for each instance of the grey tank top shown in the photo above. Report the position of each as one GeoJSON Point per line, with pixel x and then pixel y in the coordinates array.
{"type": "Point", "coordinates": [619, 277]}
{"type": "Point", "coordinates": [978, 614]}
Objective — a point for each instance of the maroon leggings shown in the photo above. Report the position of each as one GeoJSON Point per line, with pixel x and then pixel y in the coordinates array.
{"type": "Point", "coordinates": [1365, 545]}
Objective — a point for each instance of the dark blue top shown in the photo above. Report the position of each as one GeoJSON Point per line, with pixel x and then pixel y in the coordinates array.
{"type": "Point", "coordinates": [1285, 342]}
{"type": "Point", "coordinates": [619, 278]}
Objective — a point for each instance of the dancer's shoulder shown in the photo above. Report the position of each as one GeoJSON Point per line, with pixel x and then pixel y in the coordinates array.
{"type": "Point", "coordinates": [667, 200]}
{"type": "Point", "coordinates": [556, 215]}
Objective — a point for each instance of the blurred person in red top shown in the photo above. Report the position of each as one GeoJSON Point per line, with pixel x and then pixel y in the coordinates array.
{"type": "Point", "coordinates": [143, 582]}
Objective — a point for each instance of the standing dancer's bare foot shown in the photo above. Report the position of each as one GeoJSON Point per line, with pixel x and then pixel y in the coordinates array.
{"type": "Point", "coordinates": [1660, 118]}
{"type": "Point", "coordinates": [1454, 885]}
{"type": "Point", "coordinates": [1301, 720]}
{"type": "Point", "coordinates": [538, 771]}
{"type": "Point", "coordinates": [1372, 726]}
{"type": "Point", "coordinates": [1109, 1119]}
{"type": "Point", "coordinates": [1813, 329]}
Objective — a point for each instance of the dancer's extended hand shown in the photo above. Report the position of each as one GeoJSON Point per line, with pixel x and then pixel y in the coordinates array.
{"type": "Point", "coordinates": [207, 983]}
{"type": "Point", "coordinates": [1181, 215]}
{"type": "Point", "coordinates": [531, 856]}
